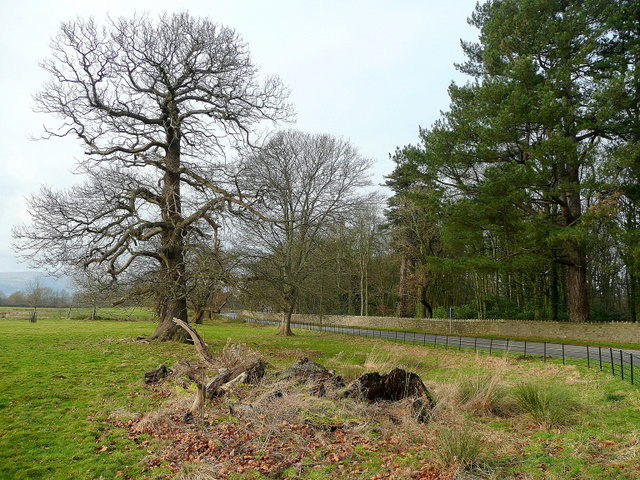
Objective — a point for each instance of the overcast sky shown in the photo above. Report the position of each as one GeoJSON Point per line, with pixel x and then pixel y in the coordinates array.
{"type": "Point", "coordinates": [370, 71]}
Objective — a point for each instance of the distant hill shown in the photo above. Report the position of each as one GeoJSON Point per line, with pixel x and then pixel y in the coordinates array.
{"type": "Point", "coordinates": [13, 281]}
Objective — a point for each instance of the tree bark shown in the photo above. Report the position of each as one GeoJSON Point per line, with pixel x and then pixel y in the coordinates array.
{"type": "Point", "coordinates": [172, 237]}
{"type": "Point", "coordinates": [577, 285]}
{"type": "Point", "coordinates": [402, 307]}
{"type": "Point", "coordinates": [285, 325]}
{"type": "Point", "coordinates": [291, 297]}
{"type": "Point", "coordinates": [198, 316]}
{"type": "Point", "coordinates": [198, 342]}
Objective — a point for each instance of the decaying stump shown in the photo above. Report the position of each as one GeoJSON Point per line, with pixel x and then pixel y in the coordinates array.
{"type": "Point", "coordinates": [239, 370]}
{"type": "Point", "coordinates": [313, 375]}
{"type": "Point", "coordinates": [156, 374]}
{"type": "Point", "coordinates": [393, 386]}
{"type": "Point", "coordinates": [307, 372]}
{"type": "Point", "coordinates": [239, 365]}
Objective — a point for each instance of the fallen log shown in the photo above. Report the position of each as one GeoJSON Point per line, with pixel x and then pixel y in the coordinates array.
{"type": "Point", "coordinates": [248, 370]}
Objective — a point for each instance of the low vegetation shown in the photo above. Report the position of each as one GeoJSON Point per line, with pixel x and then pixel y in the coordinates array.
{"type": "Point", "coordinates": [74, 405]}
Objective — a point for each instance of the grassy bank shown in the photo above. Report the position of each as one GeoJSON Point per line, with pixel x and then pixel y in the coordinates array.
{"type": "Point", "coordinates": [68, 389]}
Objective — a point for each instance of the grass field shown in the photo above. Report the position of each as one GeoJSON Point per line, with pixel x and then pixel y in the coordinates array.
{"type": "Point", "coordinates": [70, 390]}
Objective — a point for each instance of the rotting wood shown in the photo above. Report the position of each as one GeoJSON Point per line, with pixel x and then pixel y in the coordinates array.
{"type": "Point", "coordinates": [156, 374]}
{"type": "Point", "coordinates": [198, 342]}
{"type": "Point", "coordinates": [213, 386]}
{"type": "Point", "coordinates": [249, 370]}
{"type": "Point", "coordinates": [227, 387]}
{"type": "Point", "coordinates": [394, 386]}
{"type": "Point", "coordinates": [198, 403]}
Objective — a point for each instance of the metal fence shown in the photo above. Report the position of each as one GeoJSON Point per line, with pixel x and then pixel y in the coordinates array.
{"type": "Point", "coordinates": [621, 363]}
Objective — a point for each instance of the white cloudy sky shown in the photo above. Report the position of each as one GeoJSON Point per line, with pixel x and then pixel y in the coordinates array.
{"type": "Point", "coordinates": [371, 71]}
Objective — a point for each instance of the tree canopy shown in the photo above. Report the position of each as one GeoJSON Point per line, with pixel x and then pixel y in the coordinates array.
{"type": "Point", "coordinates": [157, 106]}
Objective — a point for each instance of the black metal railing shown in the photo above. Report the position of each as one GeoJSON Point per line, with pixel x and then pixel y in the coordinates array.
{"type": "Point", "coordinates": [621, 363]}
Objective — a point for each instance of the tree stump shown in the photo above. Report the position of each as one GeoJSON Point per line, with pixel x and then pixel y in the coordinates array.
{"type": "Point", "coordinates": [393, 386]}
{"type": "Point", "coordinates": [156, 374]}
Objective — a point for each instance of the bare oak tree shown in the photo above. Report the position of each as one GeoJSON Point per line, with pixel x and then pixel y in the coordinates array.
{"type": "Point", "coordinates": [156, 105]}
{"type": "Point", "coordinates": [308, 184]}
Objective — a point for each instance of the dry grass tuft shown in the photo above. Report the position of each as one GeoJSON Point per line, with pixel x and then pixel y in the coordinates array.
{"type": "Point", "coordinates": [197, 471]}
{"type": "Point", "coordinates": [459, 446]}
{"type": "Point", "coordinates": [481, 395]}
{"type": "Point", "coordinates": [234, 354]}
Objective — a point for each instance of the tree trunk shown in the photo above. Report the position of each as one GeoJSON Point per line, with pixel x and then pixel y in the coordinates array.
{"type": "Point", "coordinates": [403, 294]}
{"type": "Point", "coordinates": [173, 275]}
{"type": "Point", "coordinates": [290, 299]}
{"type": "Point", "coordinates": [167, 330]}
{"type": "Point", "coordinates": [578, 298]}
{"type": "Point", "coordinates": [632, 296]}
{"type": "Point", "coordinates": [198, 316]}
{"type": "Point", "coordinates": [577, 286]}
{"type": "Point", "coordinates": [285, 326]}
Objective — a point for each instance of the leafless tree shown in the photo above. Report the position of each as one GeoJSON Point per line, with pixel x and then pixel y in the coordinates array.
{"type": "Point", "coordinates": [157, 106]}
{"type": "Point", "coordinates": [308, 183]}
{"type": "Point", "coordinates": [34, 293]}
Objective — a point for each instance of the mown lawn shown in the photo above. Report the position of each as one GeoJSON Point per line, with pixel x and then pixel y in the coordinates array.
{"type": "Point", "coordinates": [62, 382]}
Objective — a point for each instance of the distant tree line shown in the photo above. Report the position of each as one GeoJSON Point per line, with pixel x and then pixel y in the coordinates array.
{"type": "Point", "coordinates": [41, 297]}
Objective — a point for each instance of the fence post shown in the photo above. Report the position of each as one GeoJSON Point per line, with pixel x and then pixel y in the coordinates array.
{"type": "Point", "coordinates": [544, 355]}
{"type": "Point", "coordinates": [631, 364]}
{"type": "Point", "coordinates": [613, 370]}
{"type": "Point", "coordinates": [475, 344]}
{"type": "Point", "coordinates": [600, 356]}
{"type": "Point", "coordinates": [621, 366]}
{"type": "Point", "coordinates": [507, 349]}
{"type": "Point", "coordinates": [525, 349]}
{"type": "Point", "coordinates": [563, 361]}
{"type": "Point", "coordinates": [460, 343]}
{"type": "Point", "coordinates": [490, 346]}
{"type": "Point", "coordinates": [446, 346]}
{"type": "Point", "coordinates": [588, 358]}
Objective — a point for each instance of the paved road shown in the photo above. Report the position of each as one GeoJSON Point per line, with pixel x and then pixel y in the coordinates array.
{"type": "Point", "coordinates": [595, 355]}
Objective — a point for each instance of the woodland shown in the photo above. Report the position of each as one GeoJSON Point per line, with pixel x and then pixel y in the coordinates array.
{"type": "Point", "coordinates": [520, 202]}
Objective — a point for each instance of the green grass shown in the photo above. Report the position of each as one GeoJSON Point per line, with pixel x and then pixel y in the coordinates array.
{"type": "Point", "coordinates": [80, 313]}
{"type": "Point", "coordinates": [61, 380]}
{"type": "Point", "coordinates": [547, 406]}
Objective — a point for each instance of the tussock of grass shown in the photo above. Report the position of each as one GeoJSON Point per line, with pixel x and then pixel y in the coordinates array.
{"type": "Point", "coordinates": [481, 395]}
{"type": "Point", "coordinates": [458, 446]}
{"type": "Point", "coordinates": [547, 406]}
{"type": "Point", "coordinates": [197, 471]}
